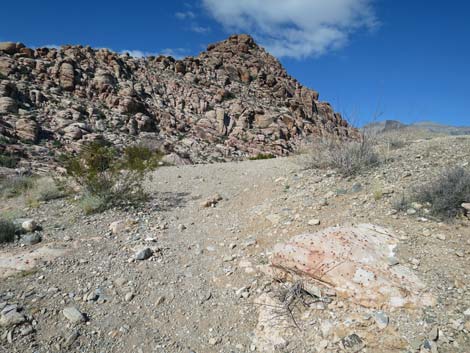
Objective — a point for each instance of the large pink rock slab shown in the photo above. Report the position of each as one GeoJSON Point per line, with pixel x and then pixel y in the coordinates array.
{"type": "Point", "coordinates": [358, 262]}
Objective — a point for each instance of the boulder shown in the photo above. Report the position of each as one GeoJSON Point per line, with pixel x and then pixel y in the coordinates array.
{"type": "Point", "coordinates": [27, 130]}
{"type": "Point", "coordinates": [67, 76]}
{"type": "Point", "coordinates": [10, 47]}
{"type": "Point", "coordinates": [353, 261]}
{"type": "Point", "coordinates": [8, 105]}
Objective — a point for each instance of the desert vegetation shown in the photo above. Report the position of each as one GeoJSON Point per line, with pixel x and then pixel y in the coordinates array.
{"type": "Point", "coordinates": [108, 177]}
{"type": "Point", "coordinates": [446, 193]}
{"type": "Point", "coordinates": [348, 157]}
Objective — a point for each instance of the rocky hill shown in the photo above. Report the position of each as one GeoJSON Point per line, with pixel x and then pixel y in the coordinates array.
{"type": "Point", "coordinates": [231, 101]}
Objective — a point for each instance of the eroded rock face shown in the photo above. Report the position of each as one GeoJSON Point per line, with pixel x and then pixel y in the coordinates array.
{"type": "Point", "coordinates": [232, 101]}
{"type": "Point", "coordinates": [358, 262]}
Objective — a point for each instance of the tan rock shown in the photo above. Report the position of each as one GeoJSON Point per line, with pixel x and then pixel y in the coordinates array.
{"type": "Point", "coordinates": [354, 262]}
{"type": "Point", "coordinates": [67, 76]}
{"type": "Point", "coordinates": [27, 130]}
{"type": "Point", "coordinates": [8, 105]}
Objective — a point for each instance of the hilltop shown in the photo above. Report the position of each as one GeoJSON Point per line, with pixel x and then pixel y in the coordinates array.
{"type": "Point", "coordinates": [232, 101]}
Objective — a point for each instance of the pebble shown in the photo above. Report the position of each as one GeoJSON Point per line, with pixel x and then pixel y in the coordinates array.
{"type": "Point", "coordinates": [143, 254]}
{"type": "Point", "coordinates": [11, 318]}
{"type": "Point", "coordinates": [352, 343]}
{"type": "Point", "coordinates": [314, 222]}
{"type": "Point", "coordinates": [73, 314]}
{"type": "Point", "coordinates": [433, 335]}
{"type": "Point", "coordinates": [71, 338]}
{"type": "Point", "coordinates": [214, 341]}
{"type": "Point", "coordinates": [129, 296]}
{"type": "Point", "coordinates": [29, 225]}
{"type": "Point", "coordinates": [381, 319]}
{"type": "Point", "coordinates": [31, 239]}
{"type": "Point", "coordinates": [441, 236]}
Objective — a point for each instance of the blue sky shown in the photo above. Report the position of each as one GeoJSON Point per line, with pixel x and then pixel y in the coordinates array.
{"type": "Point", "coordinates": [406, 60]}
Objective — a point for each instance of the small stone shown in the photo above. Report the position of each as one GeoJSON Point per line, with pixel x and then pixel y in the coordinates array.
{"type": "Point", "coordinates": [160, 300]}
{"type": "Point", "coordinates": [352, 343]}
{"type": "Point", "coordinates": [26, 329]}
{"type": "Point", "coordinates": [381, 319]}
{"type": "Point", "coordinates": [211, 201]}
{"type": "Point", "coordinates": [466, 206]}
{"type": "Point", "coordinates": [314, 222]}
{"type": "Point", "coordinates": [120, 281]}
{"type": "Point", "coordinates": [467, 312]}
{"type": "Point", "coordinates": [11, 318]}
{"type": "Point", "coordinates": [214, 341]}
{"type": "Point", "coordinates": [441, 236]}
{"type": "Point", "coordinates": [411, 211]}
{"type": "Point", "coordinates": [466, 326]}
{"type": "Point", "coordinates": [181, 227]}
{"type": "Point", "coordinates": [92, 296]}
{"type": "Point", "coordinates": [29, 225]}
{"type": "Point", "coordinates": [433, 335]}
{"type": "Point", "coordinates": [73, 314]}
{"type": "Point", "coordinates": [416, 343]}
{"type": "Point", "coordinates": [356, 187]}
{"type": "Point", "coordinates": [392, 261]}
{"type": "Point", "coordinates": [129, 296]}
{"type": "Point", "coordinates": [71, 338]}
{"type": "Point", "coordinates": [117, 227]}
{"type": "Point", "coordinates": [143, 254]}
{"type": "Point", "coordinates": [31, 239]}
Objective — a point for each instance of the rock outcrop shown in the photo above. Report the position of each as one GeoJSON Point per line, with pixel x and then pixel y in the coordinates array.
{"type": "Point", "coordinates": [231, 101]}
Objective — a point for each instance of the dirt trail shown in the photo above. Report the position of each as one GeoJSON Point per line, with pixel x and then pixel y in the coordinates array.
{"type": "Point", "coordinates": [197, 292]}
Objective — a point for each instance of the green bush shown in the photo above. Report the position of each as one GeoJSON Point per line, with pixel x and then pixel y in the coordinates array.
{"type": "Point", "coordinates": [7, 231]}
{"type": "Point", "coordinates": [111, 177]}
{"type": "Point", "coordinates": [446, 193]}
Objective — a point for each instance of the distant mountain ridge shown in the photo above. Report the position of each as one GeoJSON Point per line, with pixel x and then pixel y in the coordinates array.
{"type": "Point", "coordinates": [425, 126]}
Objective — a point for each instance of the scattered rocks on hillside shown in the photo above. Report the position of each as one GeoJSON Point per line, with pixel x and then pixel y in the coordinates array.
{"type": "Point", "coordinates": [228, 103]}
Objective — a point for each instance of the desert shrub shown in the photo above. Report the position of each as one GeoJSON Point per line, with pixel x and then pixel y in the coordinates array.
{"type": "Point", "coordinates": [7, 231]}
{"type": "Point", "coordinates": [108, 176]}
{"type": "Point", "coordinates": [8, 161]}
{"type": "Point", "coordinates": [446, 193]}
{"type": "Point", "coordinates": [262, 156]}
{"type": "Point", "coordinates": [15, 186]}
{"type": "Point", "coordinates": [400, 203]}
{"type": "Point", "coordinates": [348, 157]}
{"type": "Point", "coordinates": [91, 204]}
{"type": "Point", "coordinates": [46, 189]}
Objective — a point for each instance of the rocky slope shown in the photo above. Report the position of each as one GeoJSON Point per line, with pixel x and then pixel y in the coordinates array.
{"type": "Point", "coordinates": [204, 290]}
{"type": "Point", "coordinates": [231, 101]}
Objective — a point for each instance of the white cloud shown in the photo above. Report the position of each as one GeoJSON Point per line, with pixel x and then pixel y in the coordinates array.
{"type": "Point", "coordinates": [295, 28]}
{"type": "Point", "coordinates": [185, 15]}
{"type": "Point", "coordinates": [200, 29]}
